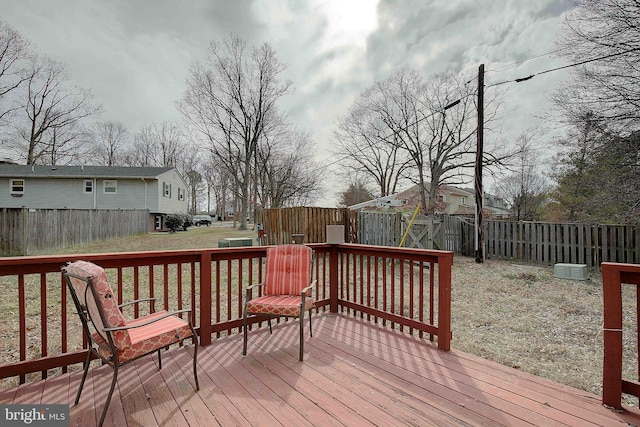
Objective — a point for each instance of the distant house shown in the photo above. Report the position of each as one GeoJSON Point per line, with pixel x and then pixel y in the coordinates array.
{"type": "Point", "coordinates": [451, 201]}
{"type": "Point", "coordinates": [161, 191]}
{"type": "Point", "coordinates": [456, 201]}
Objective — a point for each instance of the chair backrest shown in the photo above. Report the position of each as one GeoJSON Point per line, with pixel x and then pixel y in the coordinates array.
{"type": "Point", "coordinates": [91, 288]}
{"type": "Point", "coordinates": [288, 269]}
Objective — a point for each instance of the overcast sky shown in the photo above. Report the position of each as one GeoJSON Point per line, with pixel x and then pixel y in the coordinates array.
{"type": "Point", "coordinates": [134, 55]}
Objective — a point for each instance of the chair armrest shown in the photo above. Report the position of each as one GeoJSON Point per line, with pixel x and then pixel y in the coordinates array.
{"type": "Point", "coordinates": [255, 285]}
{"type": "Point", "coordinates": [249, 290]}
{"type": "Point", "coordinates": [305, 291]}
{"type": "Point", "coordinates": [173, 313]}
{"type": "Point", "coordinates": [124, 304]}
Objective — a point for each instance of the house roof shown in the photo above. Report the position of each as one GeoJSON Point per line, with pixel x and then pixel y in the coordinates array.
{"type": "Point", "coordinates": [41, 171]}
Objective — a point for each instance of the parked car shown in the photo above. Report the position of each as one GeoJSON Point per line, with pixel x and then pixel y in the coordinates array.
{"type": "Point", "coordinates": [199, 220]}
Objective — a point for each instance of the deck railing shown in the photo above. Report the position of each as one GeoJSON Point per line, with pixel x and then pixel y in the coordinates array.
{"type": "Point", "coordinates": [613, 385]}
{"type": "Point", "coordinates": [40, 333]}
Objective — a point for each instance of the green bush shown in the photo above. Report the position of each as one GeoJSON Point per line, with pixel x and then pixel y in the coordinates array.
{"type": "Point", "coordinates": [174, 221]}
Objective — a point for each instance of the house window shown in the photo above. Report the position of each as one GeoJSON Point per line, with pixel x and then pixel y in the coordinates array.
{"type": "Point", "coordinates": [166, 189]}
{"type": "Point", "coordinates": [463, 200]}
{"type": "Point", "coordinates": [110, 186]}
{"type": "Point", "coordinates": [16, 187]}
{"type": "Point", "coordinates": [88, 186]}
{"type": "Point", "coordinates": [157, 222]}
{"type": "Point", "coordinates": [180, 193]}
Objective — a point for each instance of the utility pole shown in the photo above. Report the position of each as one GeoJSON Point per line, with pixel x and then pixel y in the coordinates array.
{"type": "Point", "coordinates": [478, 169]}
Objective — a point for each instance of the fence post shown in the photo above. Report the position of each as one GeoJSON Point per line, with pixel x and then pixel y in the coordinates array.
{"type": "Point", "coordinates": [333, 279]}
{"type": "Point", "coordinates": [612, 334]}
{"type": "Point", "coordinates": [24, 250]}
{"type": "Point", "coordinates": [444, 301]}
{"type": "Point", "coordinates": [205, 299]}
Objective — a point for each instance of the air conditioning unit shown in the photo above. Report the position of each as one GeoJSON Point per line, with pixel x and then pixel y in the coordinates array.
{"type": "Point", "coordinates": [571, 271]}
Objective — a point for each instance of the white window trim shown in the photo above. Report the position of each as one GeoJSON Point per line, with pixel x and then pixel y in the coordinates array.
{"type": "Point", "coordinates": [105, 186]}
{"type": "Point", "coordinates": [84, 186]}
{"type": "Point", "coordinates": [12, 185]}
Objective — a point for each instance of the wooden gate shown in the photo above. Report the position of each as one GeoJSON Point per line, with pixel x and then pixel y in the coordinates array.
{"type": "Point", "coordinates": [425, 232]}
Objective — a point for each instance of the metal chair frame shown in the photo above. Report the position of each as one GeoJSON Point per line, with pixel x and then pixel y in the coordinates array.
{"type": "Point", "coordinates": [113, 360]}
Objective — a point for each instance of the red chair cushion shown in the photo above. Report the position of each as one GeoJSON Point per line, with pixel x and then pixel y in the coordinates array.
{"type": "Point", "coordinates": [288, 270]}
{"type": "Point", "coordinates": [148, 338]}
{"type": "Point", "coordinates": [279, 305]}
{"type": "Point", "coordinates": [106, 299]}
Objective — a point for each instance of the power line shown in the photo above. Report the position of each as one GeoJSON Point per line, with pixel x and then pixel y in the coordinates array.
{"type": "Point", "coordinates": [529, 77]}
{"type": "Point", "coordinates": [515, 64]}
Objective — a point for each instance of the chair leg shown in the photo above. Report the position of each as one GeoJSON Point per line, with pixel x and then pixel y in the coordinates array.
{"type": "Point", "coordinates": [84, 375]}
{"type": "Point", "coordinates": [270, 329]}
{"type": "Point", "coordinates": [195, 360]}
{"type": "Point", "coordinates": [301, 335]}
{"type": "Point", "coordinates": [244, 332]}
{"type": "Point", "coordinates": [113, 386]}
{"type": "Point", "coordinates": [310, 330]}
{"type": "Point", "coordinates": [159, 360]}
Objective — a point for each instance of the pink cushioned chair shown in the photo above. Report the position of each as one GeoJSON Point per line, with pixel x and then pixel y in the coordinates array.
{"type": "Point", "coordinates": [111, 337]}
{"type": "Point", "coordinates": [286, 289]}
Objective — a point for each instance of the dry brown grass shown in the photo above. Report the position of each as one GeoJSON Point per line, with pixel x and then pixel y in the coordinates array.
{"type": "Point", "coordinates": [518, 315]}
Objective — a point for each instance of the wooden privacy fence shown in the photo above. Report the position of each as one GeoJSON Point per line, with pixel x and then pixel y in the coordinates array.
{"type": "Point", "coordinates": [536, 242]}
{"type": "Point", "coordinates": [441, 232]}
{"type": "Point", "coordinates": [550, 243]}
{"type": "Point", "coordinates": [26, 231]}
{"type": "Point", "coordinates": [278, 225]}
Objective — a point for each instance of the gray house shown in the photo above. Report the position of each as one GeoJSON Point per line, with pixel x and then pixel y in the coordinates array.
{"type": "Point", "coordinates": [160, 191]}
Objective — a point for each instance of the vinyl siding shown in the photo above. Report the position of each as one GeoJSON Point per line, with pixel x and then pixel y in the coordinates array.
{"type": "Point", "coordinates": [68, 193]}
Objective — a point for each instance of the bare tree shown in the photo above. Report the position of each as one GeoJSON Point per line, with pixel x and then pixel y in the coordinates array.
{"type": "Point", "coordinates": [111, 138]}
{"type": "Point", "coordinates": [356, 192]}
{"type": "Point", "coordinates": [229, 100]}
{"type": "Point", "coordinates": [15, 52]}
{"type": "Point", "coordinates": [525, 188]}
{"type": "Point", "coordinates": [603, 36]}
{"type": "Point", "coordinates": [415, 117]}
{"type": "Point", "coordinates": [286, 169]}
{"type": "Point", "coordinates": [51, 105]}
{"type": "Point", "coordinates": [144, 150]}
{"type": "Point", "coordinates": [67, 145]}
{"type": "Point", "coordinates": [369, 147]}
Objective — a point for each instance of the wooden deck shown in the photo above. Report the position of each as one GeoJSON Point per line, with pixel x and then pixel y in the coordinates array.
{"type": "Point", "coordinates": [354, 373]}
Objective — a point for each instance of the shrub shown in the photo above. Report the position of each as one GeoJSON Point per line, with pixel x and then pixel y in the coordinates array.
{"type": "Point", "coordinates": [187, 221]}
{"type": "Point", "coordinates": [174, 222]}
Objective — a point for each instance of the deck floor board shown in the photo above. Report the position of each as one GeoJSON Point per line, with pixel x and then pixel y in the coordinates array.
{"type": "Point", "coordinates": [355, 372]}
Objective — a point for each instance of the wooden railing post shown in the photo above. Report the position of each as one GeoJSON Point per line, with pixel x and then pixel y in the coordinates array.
{"type": "Point", "coordinates": [205, 299]}
{"type": "Point", "coordinates": [612, 334]}
{"type": "Point", "coordinates": [445, 263]}
{"type": "Point", "coordinates": [333, 279]}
